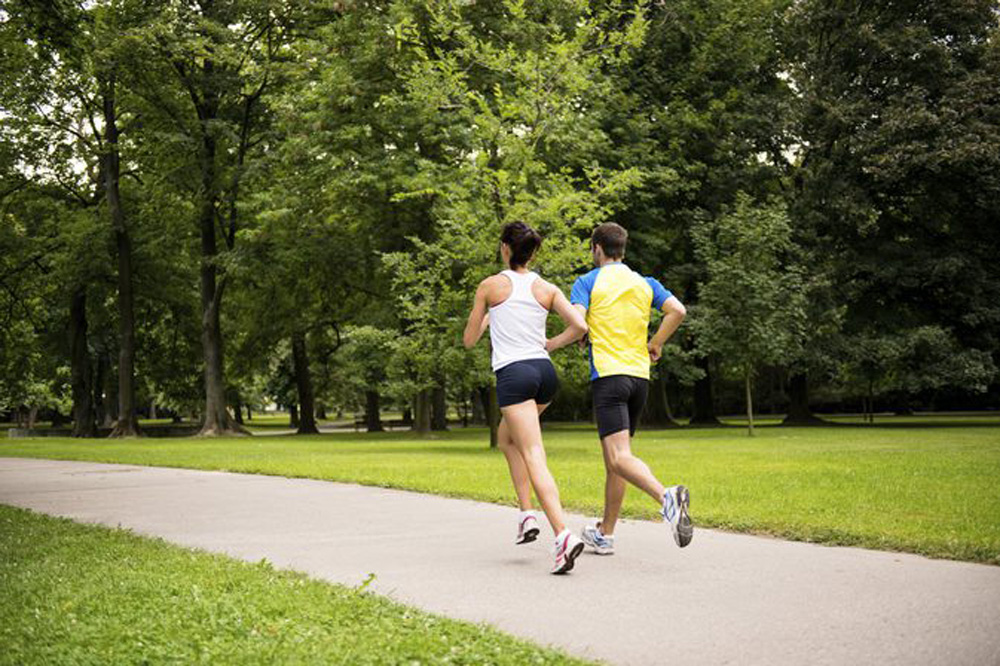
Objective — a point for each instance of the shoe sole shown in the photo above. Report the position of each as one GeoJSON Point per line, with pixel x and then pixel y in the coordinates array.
{"type": "Point", "coordinates": [684, 531]}
{"type": "Point", "coordinates": [529, 536]}
{"type": "Point", "coordinates": [570, 559]}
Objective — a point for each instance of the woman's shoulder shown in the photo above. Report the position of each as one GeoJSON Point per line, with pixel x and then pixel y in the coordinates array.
{"type": "Point", "coordinates": [493, 282]}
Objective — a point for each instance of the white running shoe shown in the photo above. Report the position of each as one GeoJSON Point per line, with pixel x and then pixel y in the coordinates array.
{"type": "Point", "coordinates": [568, 548]}
{"type": "Point", "coordinates": [527, 529]}
{"type": "Point", "coordinates": [676, 503]}
{"type": "Point", "coordinates": [601, 544]}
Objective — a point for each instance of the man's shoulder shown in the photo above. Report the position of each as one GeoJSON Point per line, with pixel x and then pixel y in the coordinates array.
{"type": "Point", "coordinates": [589, 275]}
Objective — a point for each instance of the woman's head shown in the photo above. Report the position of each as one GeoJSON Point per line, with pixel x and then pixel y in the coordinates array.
{"type": "Point", "coordinates": [522, 242]}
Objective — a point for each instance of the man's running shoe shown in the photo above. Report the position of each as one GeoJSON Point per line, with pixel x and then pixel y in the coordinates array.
{"type": "Point", "coordinates": [601, 544]}
{"type": "Point", "coordinates": [527, 529]}
{"type": "Point", "coordinates": [568, 548]}
{"type": "Point", "coordinates": [676, 503]}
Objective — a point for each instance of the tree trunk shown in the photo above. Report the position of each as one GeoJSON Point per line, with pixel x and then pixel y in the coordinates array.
{"type": "Point", "coordinates": [871, 402]}
{"type": "Point", "coordinates": [657, 411]}
{"type": "Point", "coordinates": [439, 409]}
{"type": "Point", "coordinates": [408, 417]}
{"type": "Point", "coordinates": [478, 408]}
{"type": "Point", "coordinates": [422, 412]}
{"type": "Point", "coordinates": [111, 391]}
{"type": "Point", "coordinates": [238, 410]}
{"type": "Point", "coordinates": [100, 410]}
{"type": "Point", "coordinates": [154, 413]}
{"type": "Point", "coordinates": [493, 415]}
{"type": "Point", "coordinates": [303, 383]}
{"type": "Point", "coordinates": [293, 415]}
{"type": "Point", "coordinates": [749, 374]}
{"type": "Point", "coordinates": [798, 407]}
{"type": "Point", "coordinates": [704, 400]}
{"type": "Point", "coordinates": [83, 410]}
{"type": "Point", "coordinates": [373, 411]}
{"type": "Point", "coordinates": [217, 421]}
{"type": "Point", "coordinates": [321, 412]}
{"type": "Point", "coordinates": [128, 421]}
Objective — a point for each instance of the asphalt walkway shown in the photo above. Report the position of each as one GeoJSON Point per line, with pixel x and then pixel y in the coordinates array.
{"type": "Point", "coordinates": [726, 599]}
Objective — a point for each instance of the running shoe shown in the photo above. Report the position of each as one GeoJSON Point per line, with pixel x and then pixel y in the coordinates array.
{"type": "Point", "coordinates": [601, 544]}
{"type": "Point", "coordinates": [676, 502]}
{"type": "Point", "coordinates": [568, 548]}
{"type": "Point", "coordinates": [527, 529]}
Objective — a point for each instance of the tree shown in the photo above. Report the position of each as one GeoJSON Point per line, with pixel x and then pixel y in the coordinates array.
{"type": "Point", "coordinates": [752, 305]}
{"type": "Point", "coordinates": [208, 72]}
{"type": "Point", "coordinates": [503, 94]}
{"type": "Point", "coordinates": [899, 149]}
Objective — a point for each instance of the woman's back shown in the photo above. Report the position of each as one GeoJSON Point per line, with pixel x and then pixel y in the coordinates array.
{"type": "Point", "coordinates": [517, 325]}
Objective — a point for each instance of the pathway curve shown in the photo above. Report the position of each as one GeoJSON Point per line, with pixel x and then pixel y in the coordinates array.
{"type": "Point", "coordinates": [726, 599]}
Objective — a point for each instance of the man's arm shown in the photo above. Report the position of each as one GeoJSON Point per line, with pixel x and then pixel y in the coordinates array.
{"type": "Point", "coordinates": [673, 314]}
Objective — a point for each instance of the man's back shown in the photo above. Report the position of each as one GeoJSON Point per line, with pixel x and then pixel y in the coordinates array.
{"type": "Point", "coordinates": [618, 302]}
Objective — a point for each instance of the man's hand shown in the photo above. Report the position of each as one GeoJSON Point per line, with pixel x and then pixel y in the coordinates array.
{"type": "Point", "coordinates": [655, 351]}
{"type": "Point", "coordinates": [548, 346]}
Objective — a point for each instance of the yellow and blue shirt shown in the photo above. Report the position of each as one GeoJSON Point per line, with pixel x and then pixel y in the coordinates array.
{"type": "Point", "coordinates": [618, 302]}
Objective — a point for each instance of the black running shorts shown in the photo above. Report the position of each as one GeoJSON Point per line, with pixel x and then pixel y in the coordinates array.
{"type": "Point", "coordinates": [618, 403]}
{"type": "Point", "coordinates": [527, 380]}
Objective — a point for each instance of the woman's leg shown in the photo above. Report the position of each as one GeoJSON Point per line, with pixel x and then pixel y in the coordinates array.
{"type": "Point", "coordinates": [518, 469]}
{"type": "Point", "coordinates": [526, 433]}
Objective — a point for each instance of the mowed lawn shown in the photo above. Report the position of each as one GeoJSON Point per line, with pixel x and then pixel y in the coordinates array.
{"type": "Point", "coordinates": [932, 489]}
{"type": "Point", "coordinates": [79, 594]}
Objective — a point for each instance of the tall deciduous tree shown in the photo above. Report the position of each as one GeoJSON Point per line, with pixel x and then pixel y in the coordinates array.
{"type": "Point", "coordinates": [752, 305]}
{"type": "Point", "coordinates": [900, 150]}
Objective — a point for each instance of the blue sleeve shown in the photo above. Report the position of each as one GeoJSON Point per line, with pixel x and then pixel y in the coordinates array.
{"type": "Point", "coordinates": [580, 294]}
{"type": "Point", "coordinates": [660, 293]}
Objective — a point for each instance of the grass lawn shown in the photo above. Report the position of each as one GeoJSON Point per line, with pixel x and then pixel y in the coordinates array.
{"type": "Point", "coordinates": [79, 594]}
{"type": "Point", "coordinates": [931, 490]}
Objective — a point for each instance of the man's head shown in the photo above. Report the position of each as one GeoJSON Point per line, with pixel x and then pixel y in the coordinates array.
{"type": "Point", "coordinates": [608, 243]}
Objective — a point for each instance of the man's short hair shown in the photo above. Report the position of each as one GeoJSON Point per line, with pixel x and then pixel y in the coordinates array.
{"type": "Point", "coordinates": [612, 238]}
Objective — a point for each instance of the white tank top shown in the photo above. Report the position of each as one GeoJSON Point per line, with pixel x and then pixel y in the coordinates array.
{"type": "Point", "coordinates": [517, 326]}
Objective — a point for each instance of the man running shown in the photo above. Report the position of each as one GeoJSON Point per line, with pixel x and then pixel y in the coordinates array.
{"type": "Point", "coordinates": [616, 302]}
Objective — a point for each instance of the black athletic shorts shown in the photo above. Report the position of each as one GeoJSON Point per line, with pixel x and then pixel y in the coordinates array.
{"type": "Point", "coordinates": [618, 403]}
{"type": "Point", "coordinates": [527, 380]}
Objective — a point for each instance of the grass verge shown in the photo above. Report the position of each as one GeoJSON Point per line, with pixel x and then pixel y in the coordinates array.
{"type": "Point", "coordinates": [928, 490]}
{"type": "Point", "coordinates": [82, 594]}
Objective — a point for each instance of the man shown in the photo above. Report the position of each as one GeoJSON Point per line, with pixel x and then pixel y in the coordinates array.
{"type": "Point", "coordinates": [616, 302]}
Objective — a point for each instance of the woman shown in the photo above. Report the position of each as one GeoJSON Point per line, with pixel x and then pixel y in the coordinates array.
{"type": "Point", "coordinates": [518, 304]}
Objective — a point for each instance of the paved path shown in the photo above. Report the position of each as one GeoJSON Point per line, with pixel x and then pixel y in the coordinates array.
{"type": "Point", "coordinates": [726, 599]}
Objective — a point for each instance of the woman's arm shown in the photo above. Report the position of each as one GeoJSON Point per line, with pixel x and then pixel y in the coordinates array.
{"type": "Point", "coordinates": [478, 318]}
{"type": "Point", "coordinates": [576, 324]}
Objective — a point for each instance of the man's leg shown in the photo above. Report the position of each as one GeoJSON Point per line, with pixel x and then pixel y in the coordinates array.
{"type": "Point", "coordinates": [614, 494]}
{"type": "Point", "coordinates": [619, 461]}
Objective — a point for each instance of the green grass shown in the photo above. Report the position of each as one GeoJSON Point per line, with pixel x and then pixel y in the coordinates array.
{"type": "Point", "coordinates": [930, 490]}
{"type": "Point", "coordinates": [79, 594]}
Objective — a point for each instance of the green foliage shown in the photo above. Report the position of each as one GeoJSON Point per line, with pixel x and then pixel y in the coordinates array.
{"type": "Point", "coordinates": [751, 309]}
{"type": "Point", "coordinates": [510, 97]}
{"type": "Point", "coordinates": [62, 605]}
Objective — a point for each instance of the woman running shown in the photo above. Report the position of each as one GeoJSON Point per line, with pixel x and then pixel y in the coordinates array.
{"type": "Point", "coordinates": [518, 304]}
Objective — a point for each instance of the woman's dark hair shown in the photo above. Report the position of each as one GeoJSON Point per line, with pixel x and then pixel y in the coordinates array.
{"type": "Point", "coordinates": [523, 242]}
